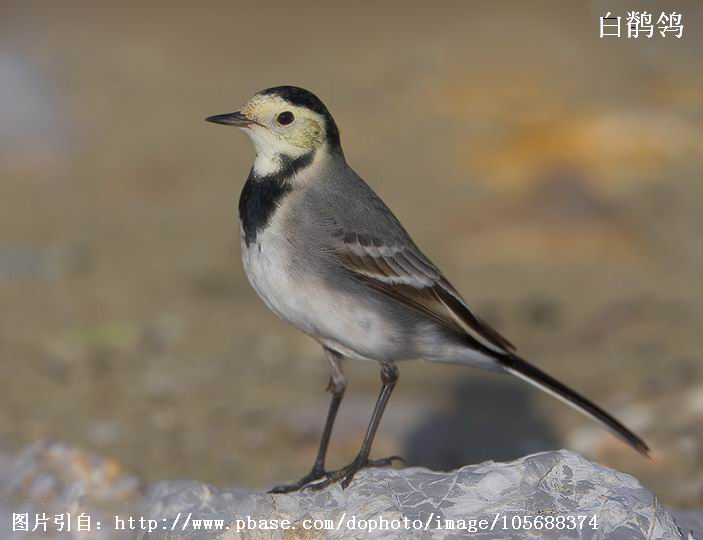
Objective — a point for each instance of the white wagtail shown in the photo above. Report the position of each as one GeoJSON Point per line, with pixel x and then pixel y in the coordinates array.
{"type": "Point", "coordinates": [327, 255]}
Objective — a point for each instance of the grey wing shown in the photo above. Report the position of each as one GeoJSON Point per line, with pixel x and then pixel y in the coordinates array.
{"type": "Point", "coordinates": [370, 243]}
{"type": "Point", "coordinates": [399, 270]}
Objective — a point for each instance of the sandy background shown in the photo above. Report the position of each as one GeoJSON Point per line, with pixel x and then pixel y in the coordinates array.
{"type": "Point", "coordinates": [555, 177]}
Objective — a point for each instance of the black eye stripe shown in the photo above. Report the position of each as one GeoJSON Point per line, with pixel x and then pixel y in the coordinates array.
{"type": "Point", "coordinates": [285, 118]}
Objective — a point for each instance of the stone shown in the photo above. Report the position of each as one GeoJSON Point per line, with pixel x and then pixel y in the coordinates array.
{"type": "Point", "coordinates": [546, 495]}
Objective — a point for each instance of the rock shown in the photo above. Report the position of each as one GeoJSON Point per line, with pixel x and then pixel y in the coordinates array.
{"type": "Point", "coordinates": [55, 479]}
{"type": "Point", "coordinates": [546, 495]}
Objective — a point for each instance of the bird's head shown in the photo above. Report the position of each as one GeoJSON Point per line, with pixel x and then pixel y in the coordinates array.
{"type": "Point", "coordinates": [285, 121]}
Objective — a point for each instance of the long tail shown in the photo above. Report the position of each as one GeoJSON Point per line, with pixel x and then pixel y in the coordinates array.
{"type": "Point", "coordinates": [526, 371]}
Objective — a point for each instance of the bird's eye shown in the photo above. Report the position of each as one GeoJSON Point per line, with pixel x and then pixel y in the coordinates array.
{"type": "Point", "coordinates": [285, 118]}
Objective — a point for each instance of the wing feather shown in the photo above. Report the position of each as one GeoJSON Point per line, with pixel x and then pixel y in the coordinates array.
{"type": "Point", "coordinates": [400, 271]}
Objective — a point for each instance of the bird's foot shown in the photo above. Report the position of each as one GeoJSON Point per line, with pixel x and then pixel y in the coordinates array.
{"type": "Point", "coordinates": [315, 474]}
{"type": "Point", "coordinates": [346, 473]}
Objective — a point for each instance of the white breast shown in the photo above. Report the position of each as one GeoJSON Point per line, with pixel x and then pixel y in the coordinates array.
{"type": "Point", "coordinates": [303, 300]}
{"type": "Point", "coordinates": [272, 272]}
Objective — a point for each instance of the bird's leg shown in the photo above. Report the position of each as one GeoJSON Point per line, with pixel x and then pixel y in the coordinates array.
{"type": "Point", "coordinates": [389, 376]}
{"type": "Point", "coordinates": [337, 385]}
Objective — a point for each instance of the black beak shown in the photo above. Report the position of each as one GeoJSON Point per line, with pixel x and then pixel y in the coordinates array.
{"type": "Point", "coordinates": [231, 119]}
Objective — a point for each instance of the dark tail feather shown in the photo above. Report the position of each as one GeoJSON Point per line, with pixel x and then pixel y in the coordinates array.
{"type": "Point", "coordinates": [524, 370]}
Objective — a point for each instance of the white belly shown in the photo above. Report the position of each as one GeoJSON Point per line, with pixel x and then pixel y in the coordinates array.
{"type": "Point", "coordinates": [275, 279]}
{"type": "Point", "coordinates": [302, 299]}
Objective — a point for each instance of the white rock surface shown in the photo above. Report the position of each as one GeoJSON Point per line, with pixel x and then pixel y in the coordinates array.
{"type": "Point", "coordinates": [562, 493]}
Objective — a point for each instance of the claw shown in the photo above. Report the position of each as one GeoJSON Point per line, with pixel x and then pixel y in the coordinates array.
{"type": "Point", "coordinates": [304, 483]}
{"type": "Point", "coordinates": [385, 462]}
{"type": "Point", "coordinates": [317, 486]}
{"type": "Point", "coordinates": [317, 480]}
{"type": "Point", "coordinates": [346, 474]}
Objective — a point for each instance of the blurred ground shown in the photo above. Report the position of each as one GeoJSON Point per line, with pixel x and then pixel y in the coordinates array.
{"type": "Point", "coordinates": [555, 177]}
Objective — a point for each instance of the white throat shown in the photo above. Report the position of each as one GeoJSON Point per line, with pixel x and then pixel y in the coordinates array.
{"type": "Point", "coordinates": [269, 152]}
{"type": "Point", "coordinates": [267, 163]}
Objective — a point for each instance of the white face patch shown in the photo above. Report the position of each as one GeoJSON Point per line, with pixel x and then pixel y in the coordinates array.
{"type": "Point", "coordinates": [273, 139]}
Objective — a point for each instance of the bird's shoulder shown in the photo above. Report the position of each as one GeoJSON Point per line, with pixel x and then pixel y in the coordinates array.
{"type": "Point", "coordinates": [343, 203]}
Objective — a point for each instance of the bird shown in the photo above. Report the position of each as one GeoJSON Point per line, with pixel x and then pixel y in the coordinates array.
{"type": "Point", "coordinates": [326, 254]}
